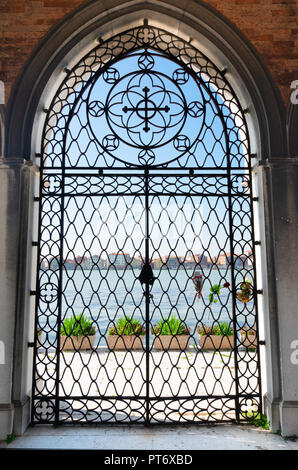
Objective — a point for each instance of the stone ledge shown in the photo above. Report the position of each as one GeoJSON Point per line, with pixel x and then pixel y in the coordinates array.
{"type": "Point", "coordinates": [6, 419]}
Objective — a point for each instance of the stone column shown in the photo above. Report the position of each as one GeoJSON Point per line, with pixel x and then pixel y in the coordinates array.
{"type": "Point", "coordinates": [281, 192]}
{"type": "Point", "coordinates": [14, 201]}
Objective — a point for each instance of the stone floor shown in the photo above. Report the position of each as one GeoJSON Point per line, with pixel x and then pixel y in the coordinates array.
{"type": "Point", "coordinates": [160, 437]}
{"type": "Point", "coordinates": [185, 373]}
{"type": "Point", "coordinates": [172, 374]}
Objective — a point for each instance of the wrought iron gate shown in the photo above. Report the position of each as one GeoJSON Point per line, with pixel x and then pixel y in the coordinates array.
{"type": "Point", "coordinates": [145, 214]}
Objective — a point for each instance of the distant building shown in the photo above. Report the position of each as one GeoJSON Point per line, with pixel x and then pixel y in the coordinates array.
{"type": "Point", "coordinates": [172, 262]}
{"type": "Point", "coordinates": [223, 259]}
{"type": "Point", "coordinates": [136, 262]}
{"type": "Point", "coordinates": [193, 260]}
{"type": "Point", "coordinates": [80, 260]}
{"type": "Point", "coordinates": [93, 261]}
{"type": "Point", "coordinates": [119, 260]}
{"type": "Point", "coordinates": [54, 263]}
{"type": "Point", "coordinates": [240, 261]}
{"type": "Point", "coordinates": [69, 264]}
{"type": "Point", "coordinates": [156, 263]}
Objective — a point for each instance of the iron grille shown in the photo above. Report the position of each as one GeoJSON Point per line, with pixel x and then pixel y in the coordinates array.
{"type": "Point", "coordinates": [146, 213]}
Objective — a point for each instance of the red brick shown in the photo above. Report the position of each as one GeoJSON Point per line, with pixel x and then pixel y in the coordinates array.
{"type": "Point", "coordinates": [270, 26]}
{"type": "Point", "coordinates": [247, 2]}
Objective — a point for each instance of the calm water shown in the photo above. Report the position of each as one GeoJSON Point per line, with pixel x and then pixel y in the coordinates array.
{"type": "Point", "coordinates": [104, 296]}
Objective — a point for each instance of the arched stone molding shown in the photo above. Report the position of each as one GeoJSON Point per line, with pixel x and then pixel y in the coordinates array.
{"type": "Point", "coordinates": [292, 129]}
{"type": "Point", "coordinates": [209, 31]}
{"type": "Point", "coordinates": [227, 48]}
{"type": "Point", "coordinates": [2, 127]}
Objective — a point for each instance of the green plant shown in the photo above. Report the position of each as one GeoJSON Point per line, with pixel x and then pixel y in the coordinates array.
{"type": "Point", "coordinates": [170, 326]}
{"type": "Point", "coordinates": [215, 290]}
{"type": "Point", "coordinates": [10, 438]}
{"type": "Point", "coordinates": [222, 329]}
{"type": "Point", "coordinates": [78, 326]}
{"type": "Point", "coordinates": [258, 420]}
{"type": "Point", "coordinates": [127, 326]}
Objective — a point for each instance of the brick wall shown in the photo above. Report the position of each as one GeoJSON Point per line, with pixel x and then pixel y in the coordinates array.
{"type": "Point", "coordinates": [270, 25]}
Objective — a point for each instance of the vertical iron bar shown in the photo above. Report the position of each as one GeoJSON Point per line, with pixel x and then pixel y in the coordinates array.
{"type": "Point", "coordinates": [230, 208]}
{"type": "Point", "coordinates": [255, 285]}
{"type": "Point", "coordinates": [230, 205]}
{"type": "Point", "coordinates": [147, 296]}
{"type": "Point", "coordinates": [60, 284]}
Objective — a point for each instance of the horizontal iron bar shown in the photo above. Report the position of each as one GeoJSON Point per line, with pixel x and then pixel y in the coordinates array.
{"type": "Point", "coordinates": [129, 194]}
{"type": "Point", "coordinates": [183, 397]}
{"type": "Point", "coordinates": [151, 175]}
{"type": "Point", "coordinates": [139, 421]}
{"type": "Point", "coordinates": [150, 169]}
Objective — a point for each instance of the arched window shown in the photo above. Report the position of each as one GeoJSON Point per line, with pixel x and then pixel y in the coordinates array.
{"type": "Point", "coordinates": [146, 218]}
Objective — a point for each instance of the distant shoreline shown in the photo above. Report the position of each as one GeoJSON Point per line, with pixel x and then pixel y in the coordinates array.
{"type": "Point", "coordinates": [132, 268]}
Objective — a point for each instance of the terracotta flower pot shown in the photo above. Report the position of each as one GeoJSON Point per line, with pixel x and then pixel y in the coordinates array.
{"type": "Point", "coordinates": [74, 343]}
{"type": "Point", "coordinates": [165, 342]}
{"type": "Point", "coordinates": [210, 342]}
{"type": "Point", "coordinates": [125, 342]}
{"type": "Point", "coordinates": [248, 340]}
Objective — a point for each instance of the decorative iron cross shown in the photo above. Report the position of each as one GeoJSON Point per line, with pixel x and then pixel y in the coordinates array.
{"type": "Point", "coordinates": [144, 111]}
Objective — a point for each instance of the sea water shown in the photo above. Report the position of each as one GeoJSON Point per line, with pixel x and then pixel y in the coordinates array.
{"type": "Point", "coordinates": [105, 295]}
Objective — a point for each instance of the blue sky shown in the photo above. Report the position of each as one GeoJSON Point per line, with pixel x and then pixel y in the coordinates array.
{"type": "Point", "coordinates": [108, 128]}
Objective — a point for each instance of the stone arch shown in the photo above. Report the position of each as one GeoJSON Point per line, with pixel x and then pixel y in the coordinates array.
{"type": "Point", "coordinates": [193, 21]}
{"type": "Point", "coordinates": [292, 129]}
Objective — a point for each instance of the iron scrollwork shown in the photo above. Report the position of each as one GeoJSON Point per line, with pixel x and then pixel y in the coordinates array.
{"type": "Point", "coordinates": [146, 113]}
{"type": "Point", "coordinates": [144, 120]}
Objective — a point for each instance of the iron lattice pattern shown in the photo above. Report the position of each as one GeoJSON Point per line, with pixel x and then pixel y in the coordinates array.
{"type": "Point", "coordinates": [145, 214]}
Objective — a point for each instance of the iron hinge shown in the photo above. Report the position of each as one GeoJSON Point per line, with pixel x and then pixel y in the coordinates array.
{"type": "Point", "coordinates": [30, 345]}
{"type": "Point", "coordinates": [33, 292]}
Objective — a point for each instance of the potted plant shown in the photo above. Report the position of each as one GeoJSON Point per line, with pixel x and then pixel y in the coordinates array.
{"type": "Point", "coordinates": [127, 334]}
{"type": "Point", "coordinates": [220, 336]}
{"type": "Point", "coordinates": [77, 333]}
{"type": "Point", "coordinates": [248, 337]}
{"type": "Point", "coordinates": [245, 294]}
{"type": "Point", "coordinates": [171, 333]}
